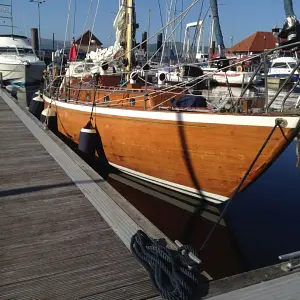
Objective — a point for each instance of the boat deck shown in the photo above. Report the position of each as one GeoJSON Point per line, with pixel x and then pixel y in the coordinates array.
{"type": "Point", "coordinates": [54, 244]}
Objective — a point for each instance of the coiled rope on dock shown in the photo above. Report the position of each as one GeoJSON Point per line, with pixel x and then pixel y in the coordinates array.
{"type": "Point", "coordinates": [174, 274]}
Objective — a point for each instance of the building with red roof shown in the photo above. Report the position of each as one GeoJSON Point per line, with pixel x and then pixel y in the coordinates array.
{"type": "Point", "coordinates": [255, 43]}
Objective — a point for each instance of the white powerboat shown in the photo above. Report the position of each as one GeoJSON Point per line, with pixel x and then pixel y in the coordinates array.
{"type": "Point", "coordinates": [19, 64]}
{"type": "Point", "coordinates": [282, 67]}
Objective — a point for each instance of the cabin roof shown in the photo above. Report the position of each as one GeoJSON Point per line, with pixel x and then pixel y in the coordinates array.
{"type": "Point", "coordinates": [257, 42]}
{"type": "Point", "coordinates": [14, 36]}
{"type": "Point", "coordinates": [86, 37]}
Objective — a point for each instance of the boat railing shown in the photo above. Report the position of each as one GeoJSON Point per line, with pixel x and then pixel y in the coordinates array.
{"type": "Point", "coordinates": [264, 59]}
{"type": "Point", "coordinates": [70, 93]}
{"type": "Point", "coordinates": [236, 102]}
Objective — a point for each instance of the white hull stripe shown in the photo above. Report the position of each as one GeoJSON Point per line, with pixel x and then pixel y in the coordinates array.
{"type": "Point", "coordinates": [86, 130]}
{"type": "Point", "coordinates": [209, 118]}
{"type": "Point", "coordinates": [174, 186]}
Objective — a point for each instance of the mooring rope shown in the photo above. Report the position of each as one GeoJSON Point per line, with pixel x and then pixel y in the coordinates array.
{"type": "Point", "coordinates": [174, 274]}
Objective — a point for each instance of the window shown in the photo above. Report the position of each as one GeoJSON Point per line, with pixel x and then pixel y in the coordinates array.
{"type": "Point", "coordinates": [79, 69]}
{"type": "Point", "coordinates": [83, 68]}
{"type": "Point", "coordinates": [8, 50]}
{"type": "Point", "coordinates": [25, 51]}
{"type": "Point", "coordinates": [292, 65]}
{"type": "Point", "coordinates": [281, 65]}
{"type": "Point", "coordinates": [132, 101]}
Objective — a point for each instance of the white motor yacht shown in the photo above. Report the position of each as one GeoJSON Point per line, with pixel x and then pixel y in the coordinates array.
{"type": "Point", "coordinates": [19, 64]}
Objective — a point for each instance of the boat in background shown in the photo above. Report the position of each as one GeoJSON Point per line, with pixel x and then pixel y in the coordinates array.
{"type": "Point", "coordinates": [282, 67]}
{"type": "Point", "coordinates": [19, 64]}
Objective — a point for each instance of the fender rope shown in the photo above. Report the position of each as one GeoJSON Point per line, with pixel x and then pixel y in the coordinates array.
{"type": "Point", "coordinates": [174, 274]}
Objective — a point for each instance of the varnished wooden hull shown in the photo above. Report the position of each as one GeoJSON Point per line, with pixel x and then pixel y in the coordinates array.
{"type": "Point", "coordinates": [205, 155]}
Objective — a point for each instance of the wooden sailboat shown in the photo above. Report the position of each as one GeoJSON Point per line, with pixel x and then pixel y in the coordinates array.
{"type": "Point", "coordinates": [194, 151]}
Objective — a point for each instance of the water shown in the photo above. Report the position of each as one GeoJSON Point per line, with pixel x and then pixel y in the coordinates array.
{"type": "Point", "coordinates": [262, 222]}
{"type": "Point", "coordinates": [265, 218]}
{"type": "Point", "coordinates": [23, 94]}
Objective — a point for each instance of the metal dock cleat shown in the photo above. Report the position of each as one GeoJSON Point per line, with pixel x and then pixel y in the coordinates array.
{"type": "Point", "coordinates": [293, 261]}
{"type": "Point", "coordinates": [191, 255]}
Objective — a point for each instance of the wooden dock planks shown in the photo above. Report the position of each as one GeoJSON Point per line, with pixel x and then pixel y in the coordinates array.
{"type": "Point", "coordinates": [53, 242]}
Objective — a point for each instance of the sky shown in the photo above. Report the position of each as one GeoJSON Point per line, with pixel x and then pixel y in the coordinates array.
{"type": "Point", "coordinates": [238, 18]}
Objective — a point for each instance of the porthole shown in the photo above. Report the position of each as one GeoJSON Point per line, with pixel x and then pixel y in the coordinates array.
{"type": "Point", "coordinates": [132, 102]}
{"type": "Point", "coordinates": [106, 99]}
{"type": "Point", "coordinates": [88, 97]}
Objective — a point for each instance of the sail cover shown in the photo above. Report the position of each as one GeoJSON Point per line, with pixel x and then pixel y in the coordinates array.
{"type": "Point", "coordinates": [217, 26]}
{"type": "Point", "coordinates": [109, 53]}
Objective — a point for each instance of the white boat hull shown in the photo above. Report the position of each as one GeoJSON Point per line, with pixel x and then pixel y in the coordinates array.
{"type": "Point", "coordinates": [234, 78]}
{"type": "Point", "coordinates": [21, 74]}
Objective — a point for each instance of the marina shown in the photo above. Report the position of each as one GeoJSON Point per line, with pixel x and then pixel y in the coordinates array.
{"type": "Point", "coordinates": [131, 170]}
{"type": "Point", "coordinates": [57, 257]}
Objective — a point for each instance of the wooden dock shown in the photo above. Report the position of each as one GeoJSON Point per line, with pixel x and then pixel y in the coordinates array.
{"type": "Point", "coordinates": [65, 232]}
{"type": "Point", "coordinates": [54, 244]}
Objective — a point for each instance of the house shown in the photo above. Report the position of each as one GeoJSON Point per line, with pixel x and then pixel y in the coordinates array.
{"type": "Point", "coordinates": [255, 43]}
{"type": "Point", "coordinates": [84, 41]}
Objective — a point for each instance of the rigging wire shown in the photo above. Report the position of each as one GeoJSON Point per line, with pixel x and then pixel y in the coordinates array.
{"type": "Point", "coordinates": [66, 33]}
{"type": "Point", "coordinates": [92, 30]}
{"type": "Point", "coordinates": [172, 32]}
{"type": "Point", "coordinates": [277, 124]}
{"type": "Point", "coordinates": [93, 26]}
{"type": "Point", "coordinates": [180, 85]}
{"type": "Point", "coordinates": [161, 18]}
{"type": "Point", "coordinates": [181, 23]}
{"type": "Point", "coordinates": [196, 33]}
{"type": "Point", "coordinates": [174, 39]}
{"type": "Point", "coordinates": [185, 12]}
{"type": "Point", "coordinates": [168, 17]}
{"type": "Point", "coordinates": [74, 21]}
{"type": "Point", "coordinates": [84, 26]}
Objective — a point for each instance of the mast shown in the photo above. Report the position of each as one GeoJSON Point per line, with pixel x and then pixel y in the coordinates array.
{"type": "Point", "coordinates": [129, 5]}
{"type": "Point", "coordinates": [211, 38]}
{"type": "Point", "coordinates": [288, 7]}
{"type": "Point", "coordinates": [149, 12]}
{"type": "Point", "coordinates": [217, 26]}
{"type": "Point", "coordinates": [291, 28]}
{"type": "Point", "coordinates": [12, 20]}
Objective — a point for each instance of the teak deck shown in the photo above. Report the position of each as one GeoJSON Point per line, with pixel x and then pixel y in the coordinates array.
{"type": "Point", "coordinates": [53, 242]}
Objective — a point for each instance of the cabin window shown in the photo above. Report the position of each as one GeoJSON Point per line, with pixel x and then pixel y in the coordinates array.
{"type": "Point", "coordinates": [292, 65]}
{"type": "Point", "coordinates": [106, 99]}
{"type": "Point", "coordinates": [8, 50]}
{"type": "Point", "coordinates": [79, 69]}
{"type": "Point", "coordinates": [87, 97]}
{"type": "Point", "coordinates": [281, 65]}
{"type": "Point", "coordinates": [132, 102]}
{"type": "Point", "coordinates": [25, 51]}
